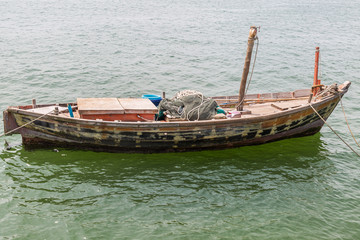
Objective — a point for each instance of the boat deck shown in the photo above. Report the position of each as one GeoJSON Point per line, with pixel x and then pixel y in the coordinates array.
{"type": "Point", "coordinates": [110, 109]}
{"type": "Point", "coordinates": [262, 109]}
{"type": "Point", "coordinates": [254, 109]}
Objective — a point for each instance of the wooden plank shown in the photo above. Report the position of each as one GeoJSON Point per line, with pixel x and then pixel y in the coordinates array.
{"type": "Point", "coordinates": [223, 103]}
{"type": "Point", "coordinates": [294, 94]}
{"type": "Point", "coordinates": [138, 105]}
{"type": "Point", "coordinates": [283, 95]}
{"type": "Point", "coordinates": [280, 108]}
{"type": "Point", "coordinates": [99, 106]}
{"type": "Point", "coordinates": [302, 93]}
{"type": "Point", "coordinates": [286, 105]}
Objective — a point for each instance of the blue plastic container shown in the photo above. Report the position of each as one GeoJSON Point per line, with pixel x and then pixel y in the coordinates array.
{"type": "Point", "coordinates": [155, 99]}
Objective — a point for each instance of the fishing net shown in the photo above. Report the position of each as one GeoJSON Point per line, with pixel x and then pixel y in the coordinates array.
{"type": "Point", "coordinates": [189, 105]}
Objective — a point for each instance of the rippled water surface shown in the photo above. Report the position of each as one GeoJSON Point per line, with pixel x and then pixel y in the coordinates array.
{"type": "Point", "coordinates": [56, 51]}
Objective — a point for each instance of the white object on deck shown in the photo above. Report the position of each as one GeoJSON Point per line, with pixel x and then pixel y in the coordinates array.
{"type": "Point", "coordinates": [44, 110]}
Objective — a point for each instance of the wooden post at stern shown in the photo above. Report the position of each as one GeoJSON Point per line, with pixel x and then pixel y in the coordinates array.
{"type": "Point", "coordinates": [34, 103]}
{"type": "Point", "coordinates": [251, 39]}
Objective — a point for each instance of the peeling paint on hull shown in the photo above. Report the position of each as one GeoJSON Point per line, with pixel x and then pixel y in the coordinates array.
{"type": "Point", "coordinates": [150, 137]}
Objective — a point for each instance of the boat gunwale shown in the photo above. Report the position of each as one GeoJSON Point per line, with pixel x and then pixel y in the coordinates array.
{"type": "Point", "coordinates": [255, 119]}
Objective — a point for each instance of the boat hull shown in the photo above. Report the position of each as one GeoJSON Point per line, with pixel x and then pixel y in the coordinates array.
{"type": "Point", "coordinates": [151, 137]}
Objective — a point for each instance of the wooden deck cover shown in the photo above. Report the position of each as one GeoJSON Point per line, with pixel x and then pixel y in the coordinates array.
{"type": "Point", "coordinates": [99, 106]}
{"type": "Point", "coordinates": [138, 105]}
{"type": "Point", "coordinates": [111, 109]}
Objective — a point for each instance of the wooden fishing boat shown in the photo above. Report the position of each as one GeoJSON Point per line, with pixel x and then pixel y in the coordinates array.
{"type": "Point", "coordinates": [271, 119]}
{"type": "Point", "coordinates": [115, 127]}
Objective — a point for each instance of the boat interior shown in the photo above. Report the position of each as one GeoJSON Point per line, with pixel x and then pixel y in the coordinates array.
{"type": "Point", "coordinates": [143, 110]}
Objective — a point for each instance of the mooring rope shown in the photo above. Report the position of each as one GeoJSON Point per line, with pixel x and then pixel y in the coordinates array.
{"type": "Point", "coordinates": [4, 134]}
{"type": "Point", "coordinates": [253, 66]}
{"type": "Point", "coordinates": [334, 130]}
{"type": "Point", "coordinates": [342, 107]}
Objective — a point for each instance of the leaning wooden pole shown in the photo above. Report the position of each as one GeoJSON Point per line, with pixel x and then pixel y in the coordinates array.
{"type": "Point", "coordinates": [252, 37]}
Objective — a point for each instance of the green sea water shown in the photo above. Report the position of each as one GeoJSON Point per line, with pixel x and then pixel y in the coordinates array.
{"type": "Point", "coordinates": [57, 51]}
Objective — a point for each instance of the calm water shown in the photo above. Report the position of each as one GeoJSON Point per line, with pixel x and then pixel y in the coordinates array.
{"type": "Point", "coordinates": [56, 51]}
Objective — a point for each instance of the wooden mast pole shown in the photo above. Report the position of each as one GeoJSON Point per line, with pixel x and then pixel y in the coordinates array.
{"type": "Point", "coordinates": [251, 39]}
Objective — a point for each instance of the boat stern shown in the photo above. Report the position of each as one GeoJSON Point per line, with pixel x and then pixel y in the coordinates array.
{"type": "Point", "coordinates": [9, 123]}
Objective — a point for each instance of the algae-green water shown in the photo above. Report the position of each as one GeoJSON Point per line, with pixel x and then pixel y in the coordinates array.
{"type": "Point", "coordinates": [301, 188]}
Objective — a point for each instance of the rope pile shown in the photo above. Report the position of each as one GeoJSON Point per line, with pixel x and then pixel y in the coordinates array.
{"type": "Point", "coordinates": [185, 93]}
{"type": "Point", "coordinates": [332, 89]}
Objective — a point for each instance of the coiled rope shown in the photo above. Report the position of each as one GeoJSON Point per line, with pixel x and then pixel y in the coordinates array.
{"type": "Point", "coordinates": [185, 93]}
{"type": "Point", "coordinates": [197, 108]}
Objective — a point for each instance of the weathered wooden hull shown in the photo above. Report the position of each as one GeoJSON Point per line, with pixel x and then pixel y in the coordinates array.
{"type": "Point", "coordinates": [168, 136]}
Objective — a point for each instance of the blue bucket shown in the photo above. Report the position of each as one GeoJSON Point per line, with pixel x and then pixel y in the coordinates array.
{"type": "Point", "coordinates": [155, 99]}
